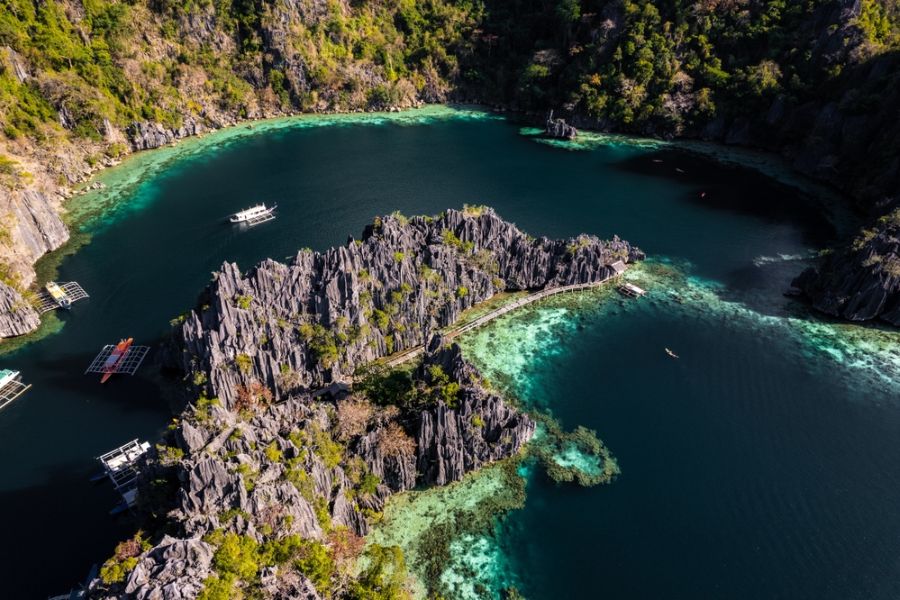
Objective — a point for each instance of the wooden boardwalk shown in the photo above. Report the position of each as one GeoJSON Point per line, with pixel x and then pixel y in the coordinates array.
{"type": "Point", "coordinates": [411, 353]}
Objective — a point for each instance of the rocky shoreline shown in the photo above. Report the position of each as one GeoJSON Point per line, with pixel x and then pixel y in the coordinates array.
{"type": "Point", "coordinates": [42, 229]}
{"type": "Point", "coordinates": [286, 456]}
{"type": "Point", "coordinates": [860, 282]}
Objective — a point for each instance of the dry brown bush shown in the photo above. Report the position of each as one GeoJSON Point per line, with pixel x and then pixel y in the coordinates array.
{"type": "Point", "coordinates": [252, 396]}
{"type": "Point", "coordinates": [353, 415]}
{"type": "Point", "coordinates": [393, 441]}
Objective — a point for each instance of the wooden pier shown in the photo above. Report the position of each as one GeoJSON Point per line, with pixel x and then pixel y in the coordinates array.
{"type": "Point", "coordinates": [12, 388]}
{"type": "Point", "coordinates": [70, 291]}
{"type": "Point", "coordinates": [411, 353]}
{"type": "Point", "coordinates": [631, 290]}
{"type": "Point", "coordinates": [128, 364]}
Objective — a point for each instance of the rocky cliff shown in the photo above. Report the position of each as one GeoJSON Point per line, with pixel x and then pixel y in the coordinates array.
{"type": "Point", "coordinates": [304, 473]}
{"type": "Point", "coordinates": [17, 316]}
{"type": "Point", "coordinates": [81, 84]}
{"type": "Point", "coordinates": [862, 281]}
{"type": "Point", "coordinates": [268, 481]}
{"type": "Point", "coordinates": [317, 319]}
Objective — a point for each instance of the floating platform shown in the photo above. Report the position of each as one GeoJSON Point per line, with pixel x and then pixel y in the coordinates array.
{"type": "Point", "coordinates": [631, 290]}
{"type": "Point", "coordinates": [118, 465]}
{"type": "Point", "coordinates": [59, 295]}
{"type": "Point", "coordinates": [128, 364]}
{"type": "Point", "coordinates": [11, 387]}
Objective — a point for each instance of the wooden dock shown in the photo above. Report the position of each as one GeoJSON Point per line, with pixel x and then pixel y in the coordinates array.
{"type": "Point", "coordinates": [631, 290]}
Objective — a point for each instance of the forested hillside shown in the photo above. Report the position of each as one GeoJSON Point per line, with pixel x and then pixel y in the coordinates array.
{"type": "Point", "coordinates": [83, 82]}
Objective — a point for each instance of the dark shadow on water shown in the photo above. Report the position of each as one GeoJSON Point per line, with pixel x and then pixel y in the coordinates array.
{"type": "Point", "coordinates": [67, 497]}
{"type": "Point", "coordinates": [741, 190]}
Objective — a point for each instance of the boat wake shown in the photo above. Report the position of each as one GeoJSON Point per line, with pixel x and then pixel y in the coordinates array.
{"type": "Point", "coordinates": [760, 261]}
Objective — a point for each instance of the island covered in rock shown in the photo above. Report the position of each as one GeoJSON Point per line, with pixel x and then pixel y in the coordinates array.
{"type": "Point", "coordinates": [861, 281]}
{"type": "Point", "coordinates": [299, 430]}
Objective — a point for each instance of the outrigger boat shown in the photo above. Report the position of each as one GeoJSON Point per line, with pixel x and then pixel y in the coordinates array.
{"type": "Point", "coordinates": [11, 386]}
{"type": "Point", "coordinates": [118, 353]}
{"type": "Point", "coordinates": [58, 294]}
{"type": "Point", "coordinates": [119, 465]}
{"type": "Point", "coordinates": [254, 215]}
{"type": "Point", "coordinates": [670, 353]}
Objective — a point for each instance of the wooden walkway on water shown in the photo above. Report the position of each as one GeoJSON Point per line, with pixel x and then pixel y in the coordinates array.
{"type": "Point", "coordinates": [411, 353]}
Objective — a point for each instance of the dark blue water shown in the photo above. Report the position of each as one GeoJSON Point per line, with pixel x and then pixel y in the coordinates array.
{"type": "Point", "coordinates": [744, 480]}
{"type": "Point", "coordinates": [746, 472]}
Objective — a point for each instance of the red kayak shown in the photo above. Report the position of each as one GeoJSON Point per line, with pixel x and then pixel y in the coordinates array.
{"type": "Point", "coordinates": [115, 357]}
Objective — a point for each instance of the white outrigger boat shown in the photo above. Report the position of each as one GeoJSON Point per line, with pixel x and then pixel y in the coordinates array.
{"type": "Point", "coordinates": [119, 467]}
{"type": "Point", "coordinates": [254, 215]}
{"type": "Point", "coordinates": [11, 386]}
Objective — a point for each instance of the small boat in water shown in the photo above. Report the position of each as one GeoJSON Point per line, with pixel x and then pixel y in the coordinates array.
{"type": "Point", "coordinates": [11, 386]}
{"type": "Point", "coordinates": [670, 353]}
{"type": "Point", "coordinates": [254, 215]}
{"type": "Point", "coordinates": [58, 294]}
{"type": "Point", "coordinates": [8, 376]}
{"type": "Point", "coordinates": [115, 357]}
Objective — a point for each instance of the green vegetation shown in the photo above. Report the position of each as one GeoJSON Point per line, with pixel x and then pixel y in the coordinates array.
{"type": "Point", "coordinates": [441, 386]}
{"type": "Point", "coordinates": [244, 363]}
{"type": "Point", "coordinates": [239, 560]}
{"type": "Point", "coordinates": [244, 302]}
{"type": "Point", "coordinates": [117, 568]}
{"type": "Point", "coordinates": [202, 406]}
{"type": "Point", "coordinates": [397, 387]}
{"type": "Point", "coordinates": [169, 455]}
{"type": "Point", "coordinates": [451, 239]}
{"type": "Point", "coordinates": [383, 578]}
{"type": "Point", "coordinates": [99, 66]}
{"type": "Point", "coordinates": [651, 66]}
{"type": "Point", "coordinates": [322, 343]}
{"type": "Point", "coordinates": [330, 451]}
{"type": "Point", "coordinates": [577, 456]}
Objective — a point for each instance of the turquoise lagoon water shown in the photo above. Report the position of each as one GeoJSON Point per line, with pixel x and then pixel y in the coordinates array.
{"type": "Point", "coordinates": [762, 464]}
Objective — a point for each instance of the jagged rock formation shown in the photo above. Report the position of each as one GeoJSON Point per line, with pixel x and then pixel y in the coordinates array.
{"type": "Point", "coordinates": [316, 320]}
{"type": "Point", "coordinates": [148, 135]}
{"type": "Point", "coordinates": [175, 569]}
{"type": "Point", "coordinates": [17, 316]}
{"type": "Point", "coordinates": [273, 473]}
{"type": "Point", "coordinates": [826, 101]}
{"type": "Point", "coordinates": [860, 282]}
{"type": "Point", "coordinates": [481, 430]}
{"type": "Point", "coordinates": [558, 128]}
{"type": "Point", "coordinates": [316, 465]}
